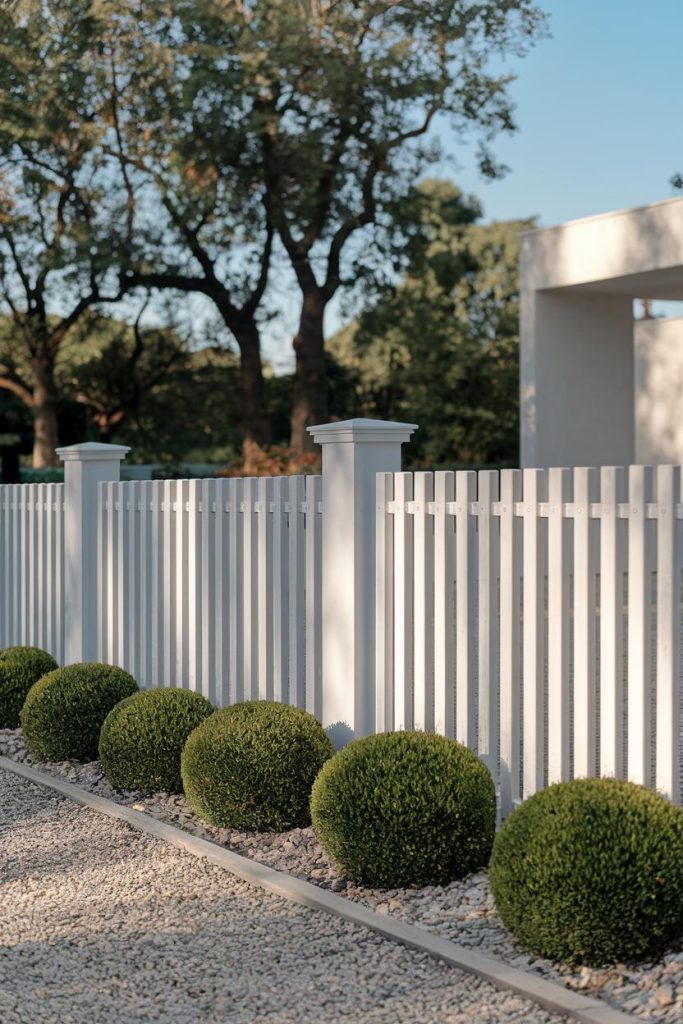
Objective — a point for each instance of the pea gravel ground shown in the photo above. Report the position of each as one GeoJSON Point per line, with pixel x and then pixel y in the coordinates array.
{"type": "Point", "coordinates": [101, 924]}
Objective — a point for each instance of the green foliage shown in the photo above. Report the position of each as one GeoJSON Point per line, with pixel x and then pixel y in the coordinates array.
{"type": "Point", "coordinates": [64, 711]}
{"type": "Point", "coordinates": [405, 808]}
{"type": "Point", "coordinates": [591, 872]}
{"type": "Point", "coordinates": [251, 766]}
{"type": "Point", "coordinates": [20, 668]}
{"type": "Point", "coordinates": [143, 737]}
{"type": "Point", "coordinates": [442, 347]}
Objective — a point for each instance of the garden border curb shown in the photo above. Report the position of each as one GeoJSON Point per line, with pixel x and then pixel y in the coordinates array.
{"type": "Point", "coordinates": [548, 994]}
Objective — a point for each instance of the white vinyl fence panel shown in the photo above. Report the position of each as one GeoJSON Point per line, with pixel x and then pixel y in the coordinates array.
{"type": "Point", "coordinates": [32, 566]}
{"type": "Point", "coordinates": [535, 615]}
{"type": "Point", "coordinates": [214, 585]}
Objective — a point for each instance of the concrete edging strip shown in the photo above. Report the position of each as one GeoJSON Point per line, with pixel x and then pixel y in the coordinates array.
{"type": "Point", "coordinates": [547, 994]}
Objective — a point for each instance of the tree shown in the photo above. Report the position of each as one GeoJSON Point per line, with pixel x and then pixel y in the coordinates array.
{"type": "Point", "coordinates": [197, 224]}
{"type": "Point", "coordinates": [338, 101]}
{"type": "Point", "coordinates": [441, 347]}
{"type": "Point", "coordinates": [309, 118]}
{"type": "Point", "coordinates": [55, 202]}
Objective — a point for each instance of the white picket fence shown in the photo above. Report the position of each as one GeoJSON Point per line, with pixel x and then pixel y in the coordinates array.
{"type": "Point", "coordinates": [535, 615]}
{"type": "Point", "coordinates": [213, 585]}
{"type": "Point", "coordinates": [32, 566]}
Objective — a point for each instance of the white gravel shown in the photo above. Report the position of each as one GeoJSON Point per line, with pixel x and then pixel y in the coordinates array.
{"type": "Point", "coordinates": [100, 923]}
{"type": "Point", "coordinates": [462, 911]}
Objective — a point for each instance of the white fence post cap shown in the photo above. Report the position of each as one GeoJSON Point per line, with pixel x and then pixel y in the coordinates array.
{"type": "Point", "coordinates": [359, 430]}
{"type": "Point", "coordinates": [91, 451]}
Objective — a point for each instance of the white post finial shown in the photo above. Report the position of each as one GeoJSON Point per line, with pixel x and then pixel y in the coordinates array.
{"type": "Point", "coordinates": [85, 466]}
{"type": "Point", "coordinates": [354, 452]}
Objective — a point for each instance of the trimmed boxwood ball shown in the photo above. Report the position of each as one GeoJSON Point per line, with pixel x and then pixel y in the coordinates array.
{"type": "Point", "coordinates": [251, 766]}
{"type": "Point", "coordinates": [64, 711]}
{"type": "Point", "coordinates": [143, 737]}
{"type": "Point", "coordinates": [591, 872]}
{"type": "Point", "coordinates": [20, 668]}
{"type": "Point", "coordinates": [405, 808]}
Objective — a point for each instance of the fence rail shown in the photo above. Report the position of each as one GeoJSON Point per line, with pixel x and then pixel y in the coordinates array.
{"type": "Point", "coordinates": [536, 616]}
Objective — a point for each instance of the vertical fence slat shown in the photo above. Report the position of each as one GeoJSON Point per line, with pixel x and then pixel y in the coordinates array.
{"type": "Point", "coordinates": [444, 605]}
{"type": "Point", "coordinates": [668, 692]}
{"type": "Point", "coordinates": [250, 636]}
{"type": "Point", "coordinates": [313, 528]}
{"type": "Point", "coordinates": [423, 603]}
{"type": "Point", "coordinates": [403, 601]}
{"type": "Point", "coordinates": [208, 654]}
{"type": "Point", "coordinates": [487, 621]}
{"type": "Point", "coordinates": [558, 626]}
{"type": "Point", "coordinates": [639, 704]}
{"type": "Point", "coordinates": [264, 621]}
{"type": "Point", "coordinates": [237, 592]}
{"type": "Point", "coordinates": [219, 680]}
{"type": "Point", "coordinates": [533, 632]}
{"type": "Point", "coordinates": [384, 605]}
{"type": "Point", "coordinates": [611, 689]}
{"type": "Point", "coordinates": [465, 625]}
{"type": "Point", "coordinates": [193, 587]}
{"type": "Point", "coordinates": [146, 581]}
{"type": "Point", "coordinates": [510, 641]}
{"type": "Point", "coordinates": [585, 623]}
{"type": "Point", "coordinates": [296, 495]}
{"type": "Point", "coordinates": [279, 595]}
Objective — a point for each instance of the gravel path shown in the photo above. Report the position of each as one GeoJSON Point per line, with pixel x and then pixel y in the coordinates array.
{"type": "Point", "coordinates": [100, 923]}
{"type": "Point", "coordinates": [462, 911]}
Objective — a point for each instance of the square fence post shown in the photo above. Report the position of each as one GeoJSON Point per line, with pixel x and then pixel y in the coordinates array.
{"type": "Point", "coordinates": [354, 452]}
{"type": "Point", "coordinates": [85, 466]}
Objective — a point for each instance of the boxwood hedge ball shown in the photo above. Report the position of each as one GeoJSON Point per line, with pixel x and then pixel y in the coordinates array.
{"type": "Point", "coordinates": [591, 872]}
{"type": "Point", "coordinates": [405, 808]}
{"type": "Point", "coordinates": [143, 737]}
{"type": "Point", "coordinates": [64, 711]}
{"type": "Point", "coordinates": [20, 668]}
{"type": "Point", "coordinates": [251, 766]}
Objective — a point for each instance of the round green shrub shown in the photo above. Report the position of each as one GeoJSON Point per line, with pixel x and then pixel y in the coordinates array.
{"type": "Point", "coordinates": [591, 872]}
{"type": "Point", "coordinates": [20, 668]}
{"type": "Point", "coordinates": [405, 808]}
{"type": "Point", "coordinates": [64, 711]}
{"type": "Point", "coordinates": [251, 766]}
{"type": "Point", "coordinates": [143, 737]}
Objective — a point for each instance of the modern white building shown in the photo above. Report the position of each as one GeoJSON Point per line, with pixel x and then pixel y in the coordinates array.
{"type": "Point", "coordinates": [597, 387]}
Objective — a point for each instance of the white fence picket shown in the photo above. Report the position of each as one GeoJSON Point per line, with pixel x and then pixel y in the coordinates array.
{"type": "Point", "coordinates": [510, 664]}
{"type": "Point", "coordinates": [639, 704]}
{"type": "Point", "coordinates": [465, 609]}
{"type": "Point", "coordinates": [668, 691]}
{"type": "Point", "coordinates": [585, 623]}
{"type": "Point", "coordinates": [611, 688]}
{"type": "Point", "coordinates": [558, 626]}
{"type": "Point", "coordinates": [444, 604]}
{"type": "Point", "coordinates": [384, 605]}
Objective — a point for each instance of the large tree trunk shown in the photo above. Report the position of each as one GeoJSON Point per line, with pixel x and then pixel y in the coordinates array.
{"type": "Point", "coordinates": [45, 428]}
{"type": "Point", "coordinates": [255, 421]}
{"type": "Point", "coordinates": [309, 405]}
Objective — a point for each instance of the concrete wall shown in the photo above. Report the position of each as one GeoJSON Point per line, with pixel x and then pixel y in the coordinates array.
{"type": "Point", "coordinates": [578, 373]}
{"type": "Point", "coordinates": [659, 391]}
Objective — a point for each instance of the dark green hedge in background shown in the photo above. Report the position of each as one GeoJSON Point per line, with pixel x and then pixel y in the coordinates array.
{"type": "Point", "coordinates": [405, 808]}
{"type": "Point", "coordinates": [251, 766]}
{"type": "Point", "coordinates": [20, 668]}
{"type": "Point", "coordinates": [143, 737]}
{"type": "Point", "coordinates": [65, 710]}
{"type": "Point", "coordinates": [591, 872]}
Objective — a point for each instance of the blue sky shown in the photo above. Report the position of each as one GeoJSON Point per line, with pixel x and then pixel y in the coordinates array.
{"type": "Point", "coordinates": [598, 110]}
